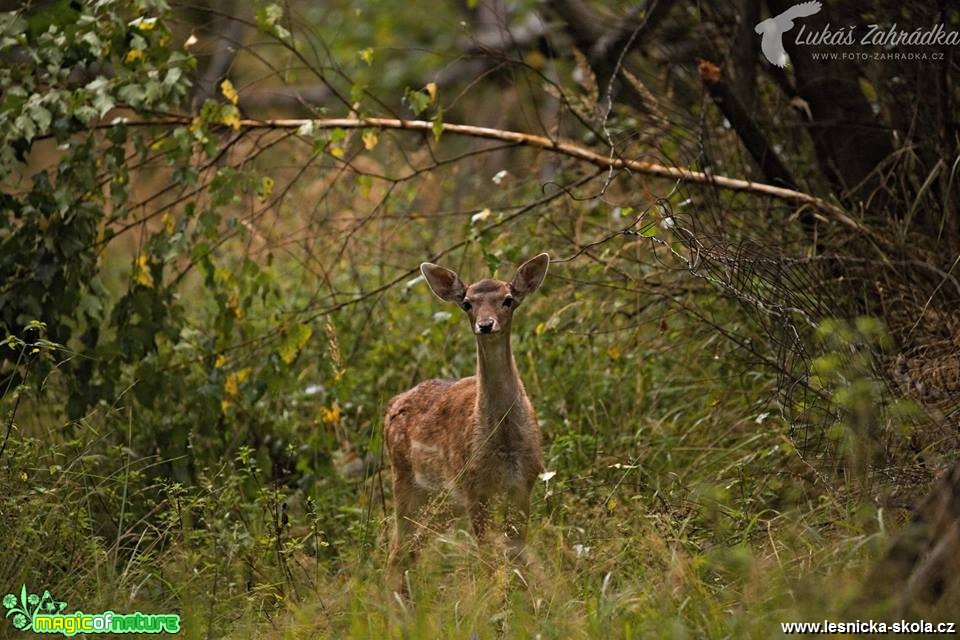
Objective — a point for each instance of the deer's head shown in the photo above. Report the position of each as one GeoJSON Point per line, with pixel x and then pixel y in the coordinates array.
{"type": "Point", "coordinates": [488, 303]}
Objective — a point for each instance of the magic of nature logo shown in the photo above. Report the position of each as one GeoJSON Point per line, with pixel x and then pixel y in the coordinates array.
{"type": "Point", "coordinates": [44, 614]}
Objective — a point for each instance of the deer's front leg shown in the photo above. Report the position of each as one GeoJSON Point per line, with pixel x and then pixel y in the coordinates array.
{"type": "Point", "coordinates": [516, 517]}
{"type": "Point", "coordinates": [479, 518]}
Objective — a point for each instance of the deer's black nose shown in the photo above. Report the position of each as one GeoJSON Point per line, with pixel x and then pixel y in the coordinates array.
{"type": "Point", "coordinates": [485, 326]}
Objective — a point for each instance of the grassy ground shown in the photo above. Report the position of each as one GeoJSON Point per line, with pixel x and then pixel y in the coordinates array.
{"type": "Point", "coordinates": [679, 506]}
{"type": "Point", "coordinates": [679, 509]}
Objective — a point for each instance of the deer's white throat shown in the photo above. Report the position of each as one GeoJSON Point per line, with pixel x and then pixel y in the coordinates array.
{"type": "Point", "coordinates": [499, 390]}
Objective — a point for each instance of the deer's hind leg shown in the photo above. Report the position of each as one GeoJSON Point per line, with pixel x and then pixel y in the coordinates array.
{"type": "Point", "coordinates": [409, 500]}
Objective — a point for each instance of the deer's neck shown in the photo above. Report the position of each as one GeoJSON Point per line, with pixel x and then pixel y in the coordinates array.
{"type": "Point", "coordinates": [499, 390]}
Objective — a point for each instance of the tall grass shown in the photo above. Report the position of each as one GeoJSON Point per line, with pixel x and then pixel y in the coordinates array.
{"type": "Point", "coordinates": [678, 508]}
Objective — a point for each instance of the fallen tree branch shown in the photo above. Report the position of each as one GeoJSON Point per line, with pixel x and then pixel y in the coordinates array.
{"type": "Point", "coordinates": [562, 147]}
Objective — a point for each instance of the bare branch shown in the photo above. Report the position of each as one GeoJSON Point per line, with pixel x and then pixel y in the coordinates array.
{"type": "Point", "coordinates": [606, 49]}
{"type": "Point", "coordinates": [747, 129]}
{"type": "Point", "coordinates": [486, 50]}
{"type": "Point", "coordinates": [611, 46]}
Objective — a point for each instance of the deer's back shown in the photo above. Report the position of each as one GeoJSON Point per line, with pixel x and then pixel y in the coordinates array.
{"type": "Point", "coordinates": [431, 436]}
{"type": "Point", "coordinates": [429, 426]}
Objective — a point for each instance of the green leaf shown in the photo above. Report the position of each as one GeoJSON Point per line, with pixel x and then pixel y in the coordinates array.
{"type": "Point", "coordinates": [437, 125]}
{"type": "Point", "coordinates": [356, 92]}
{"type": "Point", "coordinates": [268, 19]}
{"type": "Point", "coordinates": [25, 127]}
{"type": "Point", "coordinates": [268, 16]}
{"type": "Point", "coordinates": [132, 94]}
{"type": "Point", "coordinates": [493, 262]}
{"type": "Point", "coordinates": [103, 102]}
{"type": "Point", "coordinates": [417, 101]}
{"type": "Point", "coordinates": [41, 116]}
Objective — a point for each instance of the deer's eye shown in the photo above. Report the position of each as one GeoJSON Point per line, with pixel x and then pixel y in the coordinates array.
{"type": "Point", "coordinates": [465, 305]}
{"type": "Point", "coordinates": [508, 302]}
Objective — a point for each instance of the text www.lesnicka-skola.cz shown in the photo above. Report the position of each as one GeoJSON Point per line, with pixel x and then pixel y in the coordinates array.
{"type": "Point", "coordinates": [868, 627]}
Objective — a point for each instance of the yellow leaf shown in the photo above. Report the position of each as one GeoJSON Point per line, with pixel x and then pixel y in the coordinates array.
{"type": "Point", "coordinates": [231, 117]}
{"type": "Point", "coordinates": [221, 360]}
{"type": "Point", "coordinates": [336, 152]}
{"type": "Point", "coordinates": [147, 24]}
{"type": "Point", "coordinates": [265, 188]}
{"type": "Point", "coordinates": [225, 406]}
{"type": "Point", "coordinates": [370, 139]}
{"type": "Point", "coordinates": [481, 216]}
{"type": "Point", "coordinates": [432, 91]}
{"type": "Point", "coordinates": [367, 55]}
{"type": "Point", "coordinates": [614, 352]}
{"type": "Point", "coordinates": [23, 476]}
{"type": "Point", "coordinates": [293, 342]}
{"type": "Point", "coordinates": [134, 54]}
{"type": "Point", "coordinates": [331, 415]}
{"type": "Point", "coordinates": [229, 92]}
{"type": "Point", "coordinates": [168, 223]}
{"type": "Point", "coordinates": [233, 301]}
{"type": "Point", "coordinates": [142, 273]}
{"type": "Point", "coordinates": [536, 60]}
{"type": "Point", "coordinates": [232, 384]}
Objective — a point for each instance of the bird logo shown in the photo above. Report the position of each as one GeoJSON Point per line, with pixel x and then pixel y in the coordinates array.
{"type": "Point", "coordinates": [772, 30]}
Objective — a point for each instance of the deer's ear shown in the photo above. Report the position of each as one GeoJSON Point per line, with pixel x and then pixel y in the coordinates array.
{"type": "Point", "coordinates": [444, 283]}
{"type": "Point", "coordinates": [530, 275]}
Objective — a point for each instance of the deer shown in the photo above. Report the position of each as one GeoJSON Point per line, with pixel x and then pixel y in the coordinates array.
{"type": "Point", "coordinates": [473, 442]}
